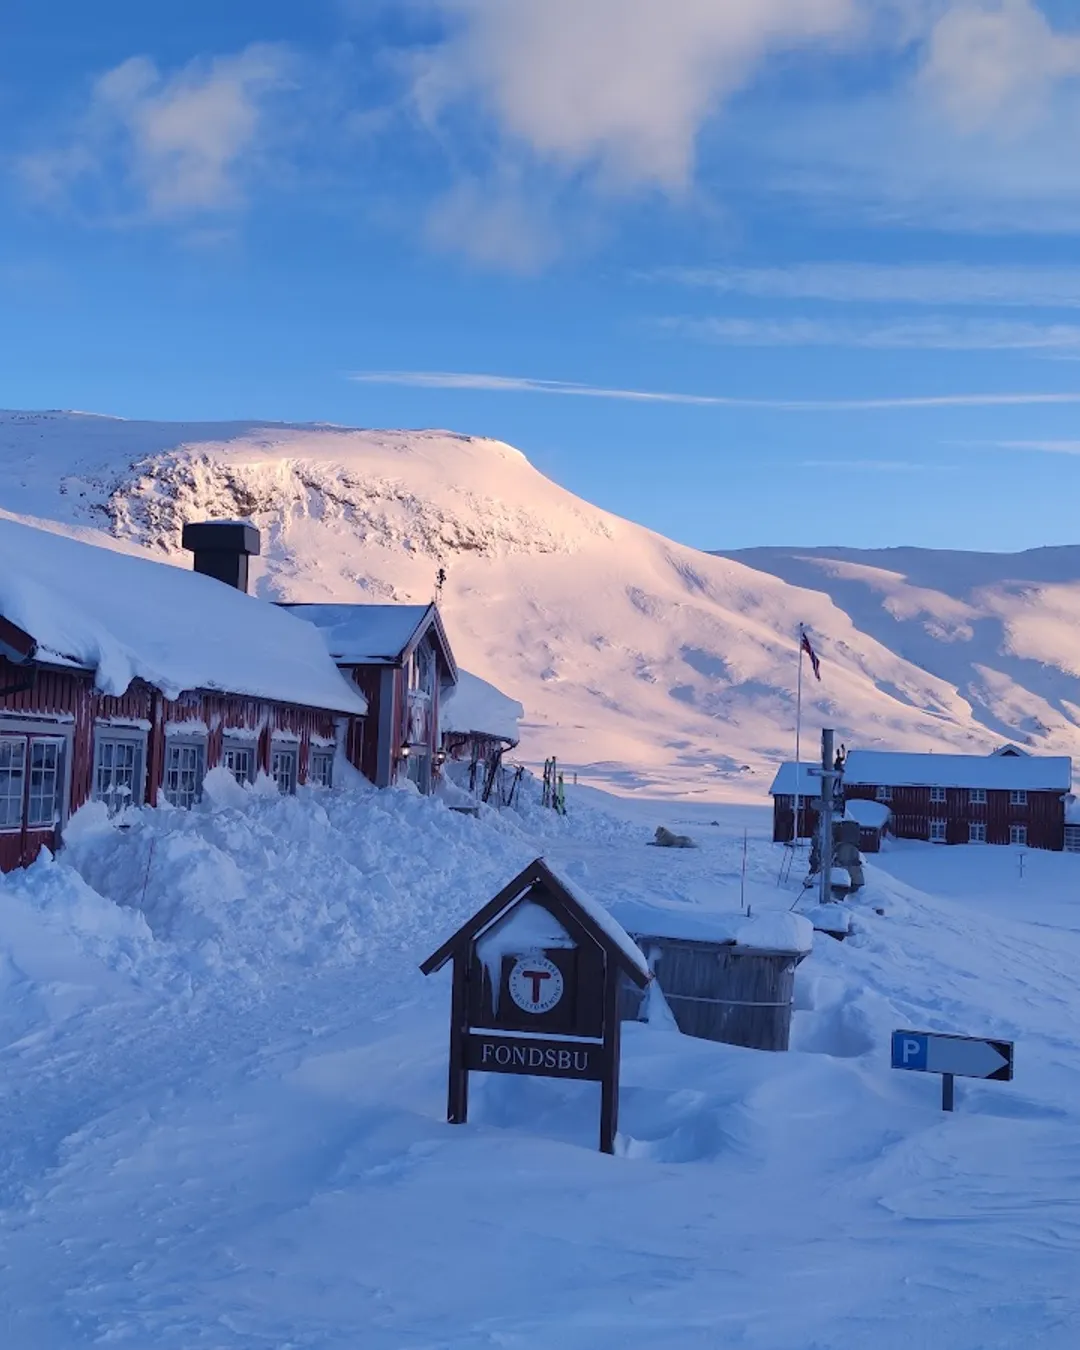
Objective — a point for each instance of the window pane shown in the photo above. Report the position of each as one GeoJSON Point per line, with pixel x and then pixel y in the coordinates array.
{"type": "Point", "coordinates": [184, 773]}
{"type": "Point", "coordinates": [118, 772]}
{"type": "Point", "coordinates": [321, 770]}
{"type": "Point", "coordinates": [43, 803]}
{"type": "Point", "coordinates": [12, 780]}
{"type": "Point", "coordinates": [283, 768]}
{"type": "Point", "coordinates": [240, 761]}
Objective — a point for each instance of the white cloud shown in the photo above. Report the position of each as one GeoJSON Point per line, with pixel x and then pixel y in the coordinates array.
{"type": "Point", "coordinates": [926, 284]}
{"type": "Point", "coordinates": [520, 384]}
{"type": "Point", "coordinates": [493, 224]}
{"type": "Point", "coordinates": [622, 86]}
{"type": "Point", "coordinates": [997, 63]}
{"type": "Point", "coordinates": [166, 146]}
{"type": "Point", "coordinates": [929, 335]}
{"type": "Point", "coordinates": [1037, 447]}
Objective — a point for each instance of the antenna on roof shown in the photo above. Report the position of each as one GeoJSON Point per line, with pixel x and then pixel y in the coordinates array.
{"type": "Point", "coordinates": [440, 582]}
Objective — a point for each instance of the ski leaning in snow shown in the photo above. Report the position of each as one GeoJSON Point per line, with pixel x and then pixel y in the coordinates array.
{"type": "Point", "coordinates": [952, 1056]}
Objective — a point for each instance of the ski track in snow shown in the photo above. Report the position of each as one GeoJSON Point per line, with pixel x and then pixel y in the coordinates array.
{"type": "Point", "coordinates": [213, 1138]}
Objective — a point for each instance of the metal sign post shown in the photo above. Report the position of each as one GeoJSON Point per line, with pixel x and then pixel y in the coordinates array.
{"type": "Point", "coordinates": [953, 1057]}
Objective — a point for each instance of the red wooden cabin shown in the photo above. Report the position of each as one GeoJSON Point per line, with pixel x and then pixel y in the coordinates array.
{"type": "Point", "coordinates": [1008, 797]}
{"type": "Point", "coordinates": [126, 680]}
{"type": "Point", "coordinates": [400, 658]}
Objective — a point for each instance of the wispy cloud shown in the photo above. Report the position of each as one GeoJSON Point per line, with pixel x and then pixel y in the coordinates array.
{"type": "Point", "coordinates": [876, 466]}
{"type": "Point", "coordinates": [930, 334]}
{"type": "Point", "coordinates": [164, 146]}
{"type": "Point", "coordinates": [513, 384]}
{"type": "Point", "coordinates": [1035, 447]}
{"type": "Point", "coordinates": [861, 283]}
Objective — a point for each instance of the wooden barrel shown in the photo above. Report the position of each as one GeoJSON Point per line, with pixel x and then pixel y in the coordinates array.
{"type": "Point", "coordinates": [720, 991]}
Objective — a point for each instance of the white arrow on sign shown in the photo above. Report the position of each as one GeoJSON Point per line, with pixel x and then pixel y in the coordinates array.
{"type": "Point", "coordinates": [965, 1058]}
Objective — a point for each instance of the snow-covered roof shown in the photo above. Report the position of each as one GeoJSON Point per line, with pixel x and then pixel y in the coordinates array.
{"type": "Point", "coordinates": [1034, 773]}
{"type": "Point", "coordinates": [871, 815]}
{"type": "Point", "coordinates": [473, 705]}
{"type": "Point", "coordinates": [766, 931]}
{"type": "Point", "coordinates": [370, 635]}
{"type": "Point", "coordinates": [808, 780]}
{"type": "Point", "coordinates": [125, 617]}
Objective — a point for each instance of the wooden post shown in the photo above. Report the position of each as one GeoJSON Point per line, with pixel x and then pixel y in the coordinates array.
{"type": "Point", "coordinates": [948, 1088]}
{"type": "Point", "coordinates": [609, 1084]}
{"type": "Point", "coordinates": [457, 1107]}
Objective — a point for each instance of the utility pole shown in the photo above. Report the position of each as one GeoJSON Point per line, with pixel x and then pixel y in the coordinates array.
{"type": "Point", "coordinates": [828, 778]}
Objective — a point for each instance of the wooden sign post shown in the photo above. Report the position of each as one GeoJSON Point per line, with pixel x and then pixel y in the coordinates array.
{"type": "Point", "coordinates": [535, 991]}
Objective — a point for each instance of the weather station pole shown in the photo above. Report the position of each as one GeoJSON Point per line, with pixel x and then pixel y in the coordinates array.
{"type": "Point", "coordinates": [798, 742]}
{"type": "Point", "coordinates": [828, 777]}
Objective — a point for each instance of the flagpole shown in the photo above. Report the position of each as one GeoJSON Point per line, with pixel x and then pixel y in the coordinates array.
{"type": "Point", "coordinates": [798, 738]}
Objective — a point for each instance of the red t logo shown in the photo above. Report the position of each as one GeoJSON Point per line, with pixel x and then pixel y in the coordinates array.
{"type": "Point", "coordinates": [537, 977]}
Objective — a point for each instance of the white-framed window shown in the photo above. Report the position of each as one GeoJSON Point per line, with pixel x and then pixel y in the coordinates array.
{"type": "Point", "coordinates": [1018, 835]}
{"type": "Point", "coordinates": [884, 794]}
{"type": "Point", "coordinates": [1072, 838]}
{"type": "Point", "coordinates": [31, 781]}
{"type": "Point", "coordinates": [977, 832]}
{"type": "Point", "coordinates": [119, 775]}
{"type": "Point", "coordinates": [12, 781]}
{"type": "Point", "coordinates": [977, 796]}
{"type": "Point", "coordinates": [938, 794]}
{"type": "Point", "coordinates": [321, 767]}
{"type": "Point", "coordinates": [185, 769]}
{"type": "Point", "coordinates": [1017, 797]}
{"type": "Point", "coordinates": [239, 758]}
{"type": "Point", "coordinates": [938, 831]}
{"type": "Point", "coordinates": [283, 760]}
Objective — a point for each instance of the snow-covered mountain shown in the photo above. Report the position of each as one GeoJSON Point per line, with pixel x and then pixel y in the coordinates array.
{"type": "Point", "coordinates": [639, 661]}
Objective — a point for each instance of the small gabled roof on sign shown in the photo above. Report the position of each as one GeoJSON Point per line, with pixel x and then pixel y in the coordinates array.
{"type": "Point", "coordinates": [593, 918]}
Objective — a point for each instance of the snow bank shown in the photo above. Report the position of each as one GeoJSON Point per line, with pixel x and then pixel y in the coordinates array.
{"type": "Point", "coordinates": [772, 930]}
{"type": "Point", "coordinates": [128, 618]}
{"type": "Point", "coordinates": [872, 815]}
{"type": "Point", "coordinates": [474, 705]}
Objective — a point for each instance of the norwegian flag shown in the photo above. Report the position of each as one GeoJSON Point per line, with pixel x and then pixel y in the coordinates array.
{"type": "Point", "coordinates": [806, 647]}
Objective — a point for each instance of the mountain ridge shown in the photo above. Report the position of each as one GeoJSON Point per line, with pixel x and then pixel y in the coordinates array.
{"type": "Point", "coordinates": [642, 663]}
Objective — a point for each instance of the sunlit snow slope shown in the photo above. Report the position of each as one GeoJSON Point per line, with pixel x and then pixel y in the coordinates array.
{"type": "Point", "coordinates": [639, 661]}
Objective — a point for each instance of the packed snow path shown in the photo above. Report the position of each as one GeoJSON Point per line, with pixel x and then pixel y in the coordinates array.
{"type": "Point", "coordinates": [222, 1126]}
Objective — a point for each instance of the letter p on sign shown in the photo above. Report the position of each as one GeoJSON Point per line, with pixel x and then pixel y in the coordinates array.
{"type": "Point", "coordinates": [908, 1051]}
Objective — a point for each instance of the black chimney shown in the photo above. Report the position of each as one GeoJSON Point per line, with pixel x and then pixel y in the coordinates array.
{"type": "Point", "coordinates": [222, 549]}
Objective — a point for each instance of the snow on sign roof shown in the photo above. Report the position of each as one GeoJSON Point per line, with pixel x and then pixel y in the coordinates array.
{"type": "Point", "coordinates": [364, 634]}
{"type": "Point", "coordinates": [1033, 773]}
{"type": "Point", "coordinates": [475, 706]}
{"type": "Point", "coordinates": [130, 618]}
{"type": "Point", "coordinates": [809, 780]}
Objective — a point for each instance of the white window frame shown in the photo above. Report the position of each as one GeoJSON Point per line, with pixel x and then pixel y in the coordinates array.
{"type": "Point", "coordinates": [883, 793]}
{"type": "Point", "coordinates": [938, 796]}
{"type": "Point", "coordinates": [976, 831]}
{"type": "Point", "coordinates": [1018, 797]}
{"type": "Point", "coordinates": [127, 737]}
{"type": "Point", "coordinates": [939, 831]}
{"type": "Point", "coordinates": [282, 754]}
{"type": "Point", "coordinates": [977, 796]}
{"type": "Point", "coordinates": [184, 741]}
{"type": "Point", "coordinates": [1018, 836]}
{"type": "Point", "coordinates": [32, 734]}
{"type": "Point", "coordinates": [233, 745]}
{"type": "Point", "coordinates": [321, 755]}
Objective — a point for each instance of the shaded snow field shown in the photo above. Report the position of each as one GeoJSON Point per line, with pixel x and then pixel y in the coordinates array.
{"type": "Point", "coordinates": [222, 1088]}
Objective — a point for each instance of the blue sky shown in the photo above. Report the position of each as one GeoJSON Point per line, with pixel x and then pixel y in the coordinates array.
{"type": "Point", "coordinates": [748, 271]}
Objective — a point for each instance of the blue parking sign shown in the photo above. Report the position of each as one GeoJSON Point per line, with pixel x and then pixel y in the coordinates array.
{"type": "Point", "coordinates": [909, 1050]}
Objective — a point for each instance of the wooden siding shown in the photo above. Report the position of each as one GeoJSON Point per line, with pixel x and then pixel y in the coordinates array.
{"type": "Point", "coordinates": [784, 817]}
{"type": "Point", "coordinates": [912, 811]}
{"type": "Point", "coordinates": [69, 698]}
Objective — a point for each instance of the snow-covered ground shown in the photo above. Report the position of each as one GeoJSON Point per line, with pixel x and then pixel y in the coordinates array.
{"type": "Point", "coordinates": [644, 665]}
{"type": "Point", "coordinates": [222, 1087]}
